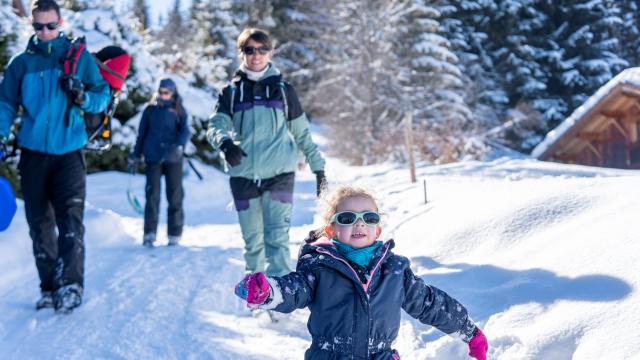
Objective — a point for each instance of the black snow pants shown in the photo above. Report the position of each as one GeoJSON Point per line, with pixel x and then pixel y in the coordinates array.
{"type": "Point", "coordinates": [172, 172]}
{"type": "Point", "coordinates": [54, 190]}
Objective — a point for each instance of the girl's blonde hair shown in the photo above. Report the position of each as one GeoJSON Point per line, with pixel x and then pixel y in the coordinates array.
{"type": "Point", "coordinates": [334, 198]}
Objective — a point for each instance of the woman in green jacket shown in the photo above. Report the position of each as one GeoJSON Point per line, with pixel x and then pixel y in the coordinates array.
{"type": "Point", "coordinates": [259, 125]}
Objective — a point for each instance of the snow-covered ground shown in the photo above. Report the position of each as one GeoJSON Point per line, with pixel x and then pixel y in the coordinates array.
{"type": "Point", "coordinates": [545, 257]}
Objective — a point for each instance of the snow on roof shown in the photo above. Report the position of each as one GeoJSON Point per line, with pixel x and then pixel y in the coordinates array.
{"type": "Point", "coordinates": [629, 76]}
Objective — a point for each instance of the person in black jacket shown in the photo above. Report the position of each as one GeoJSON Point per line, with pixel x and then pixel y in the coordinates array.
{"type": "Point", "coordinates": [162, 136]}
{"type": "Point", "coordinates": [355, 287]}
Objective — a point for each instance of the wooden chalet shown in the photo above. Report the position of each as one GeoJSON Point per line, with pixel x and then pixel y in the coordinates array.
{"type": "Point", "coordinates": [604, 131]}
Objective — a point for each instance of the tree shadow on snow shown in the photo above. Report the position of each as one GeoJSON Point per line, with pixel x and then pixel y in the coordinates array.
{"type": "Point", "coordinates": [487, 289]}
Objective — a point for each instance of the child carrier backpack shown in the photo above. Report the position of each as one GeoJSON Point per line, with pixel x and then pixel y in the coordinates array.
{"type": "Point", "coordinates": [113, 62]}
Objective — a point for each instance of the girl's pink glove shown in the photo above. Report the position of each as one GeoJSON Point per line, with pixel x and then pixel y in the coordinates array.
{"type": "Point", "coordinates": [478, 346]}
{"type": "Point", "coordinates": [254, 288]}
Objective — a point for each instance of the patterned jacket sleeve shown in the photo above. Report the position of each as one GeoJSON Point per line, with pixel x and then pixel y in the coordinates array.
{"type": "Point", "coordinates": [294, 290]}
{"type": "Point", "coordinates": [435, 307]}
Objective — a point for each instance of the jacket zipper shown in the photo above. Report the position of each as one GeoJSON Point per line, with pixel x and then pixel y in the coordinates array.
{"type": "Point", "coordinates": [241, 121]}
{"type": "Point", "coordinates": [364, 286]}
{"type": "Point", "coordinates": [275, 119]}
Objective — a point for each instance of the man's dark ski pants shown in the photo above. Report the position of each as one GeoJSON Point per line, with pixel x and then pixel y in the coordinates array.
{"type": "Point", "coordinates": [54, 189]}
{"type": "Point", "coordinates": [172, 172]}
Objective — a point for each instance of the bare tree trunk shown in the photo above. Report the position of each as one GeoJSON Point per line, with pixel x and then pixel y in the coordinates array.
{"type": "Point", "coordinates": [18, 6]}
{"type": "Point", "coordinates": [409, 140]}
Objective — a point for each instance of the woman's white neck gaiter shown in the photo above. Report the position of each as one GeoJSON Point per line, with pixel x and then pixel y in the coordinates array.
{"type": "Point", "coordinates": [254, 75]}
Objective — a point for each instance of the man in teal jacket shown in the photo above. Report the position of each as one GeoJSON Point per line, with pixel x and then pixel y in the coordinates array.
{"type": "Point", "coordinates": [52, 135]}
{"type": "Point", "coordinates": [259, 125]}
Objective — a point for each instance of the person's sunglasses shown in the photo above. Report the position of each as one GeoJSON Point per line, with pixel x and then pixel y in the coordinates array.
{"type": "Point", "coordinates": [250, 50]}
{"type": "Point", "coordinates": [40, 26]}
{"type": "Point", "coordinates": [350, 217]}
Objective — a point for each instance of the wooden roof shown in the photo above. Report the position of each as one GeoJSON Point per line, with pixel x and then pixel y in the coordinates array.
{"type": "Point", "coordinates": [611, 114]}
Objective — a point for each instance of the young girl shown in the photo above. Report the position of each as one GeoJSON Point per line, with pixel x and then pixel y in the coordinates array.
{"type": "Point", "coordinates": [355, 288]}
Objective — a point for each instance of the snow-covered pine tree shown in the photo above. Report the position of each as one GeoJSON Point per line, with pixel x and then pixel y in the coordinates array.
{"type": "Point", "coordinates": [174, 39]}
{"type": "Point", "coordinates": [519, 53]}
{"type": "Point", "coordinates": [253, 13]}
{"type": "Point", "coordinates": [141, 10]}
{"type": "Point", "coordinates": [217, 20]}
{"type": "Point", "coordinates": [297, 32]}
{"type": "Point", "coordinates": [203, 54]}
{"type": "Point", "coordinates": [353, 86]}
{"type": "Point", "coordinates": [79, 5]}
{"type": "Point", "coordinates": [430, 82]}
{"type": "Point", "coordinates": [466, 24]}
{"type": "Point", "coordinates": [10, 28]}
{"type": "Point", "coordinates": [630, 31]}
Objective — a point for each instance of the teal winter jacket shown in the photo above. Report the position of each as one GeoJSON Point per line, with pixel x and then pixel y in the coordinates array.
{"type": "Point", "coordinates": [255, 119]}
{"type": "Point", "coordinates": [31, 81]}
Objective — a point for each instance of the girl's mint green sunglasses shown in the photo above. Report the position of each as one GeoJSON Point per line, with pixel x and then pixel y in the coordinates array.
{"type": "Point", "coordinates": [350, 217]}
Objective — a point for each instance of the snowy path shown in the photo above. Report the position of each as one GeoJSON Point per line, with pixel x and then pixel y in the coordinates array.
{"type": "Point", "coordinates": [543, 255]}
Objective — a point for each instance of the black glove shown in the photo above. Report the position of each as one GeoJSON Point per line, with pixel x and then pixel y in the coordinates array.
{"type": "Point", "coordinates": [232, 152]}
{"type": "Point", "coordinates": [74, 88]}
{"type": "Point", "coordinates": [321, 182]}
{"type": "Point", "coordinates": [3, 148]}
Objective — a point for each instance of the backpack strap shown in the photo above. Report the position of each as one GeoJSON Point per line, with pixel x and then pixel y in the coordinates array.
{"type": "Point", "coordinates": [283, 87]}
{"type": "Point", "coordinates": [104, 67]}
{"type": "Point", "coordinates": [233, 98]}
{"type": "Point", "coordinates": [73, 55]}
{"type": "Point", "coordinates": [70, 67]}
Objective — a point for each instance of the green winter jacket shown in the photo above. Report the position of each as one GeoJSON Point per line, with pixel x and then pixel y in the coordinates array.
{"type": "Point", "coordinates": [255, 119]}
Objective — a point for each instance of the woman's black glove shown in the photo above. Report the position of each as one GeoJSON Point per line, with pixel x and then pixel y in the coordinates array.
{"type": "Point", "coordinates": [321, 182]}
{"type": "Point", "coordinates": [232, 152]}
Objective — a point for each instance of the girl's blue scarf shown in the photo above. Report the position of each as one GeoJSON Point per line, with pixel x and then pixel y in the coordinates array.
{"type": "Point", "coordinates": [360, 256]}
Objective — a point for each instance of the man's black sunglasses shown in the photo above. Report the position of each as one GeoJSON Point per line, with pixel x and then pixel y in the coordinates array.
{"type": "Point", "coordinates": [40, 26]}
{"type": "Point", "coordinates": [250, 50]}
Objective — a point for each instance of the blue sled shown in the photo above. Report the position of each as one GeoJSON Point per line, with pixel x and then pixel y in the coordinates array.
{"type": "Point", "coordinates": [8, 204]}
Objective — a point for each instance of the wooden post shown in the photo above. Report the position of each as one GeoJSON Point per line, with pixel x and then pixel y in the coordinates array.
{"type": "Point", "coordinates": [408, 132]}
{"type": "Point", "coordinates": [424, 183]}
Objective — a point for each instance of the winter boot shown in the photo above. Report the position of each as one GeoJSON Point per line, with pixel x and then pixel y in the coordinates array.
{"type": "Point", "coordinates": [148, 240]}
{"type": "Point", "coordinates": [46, 300]}
{"type": "Point", "coordinates": [174, 240]}
{"type": "Point", "coordinates": [67, 298]}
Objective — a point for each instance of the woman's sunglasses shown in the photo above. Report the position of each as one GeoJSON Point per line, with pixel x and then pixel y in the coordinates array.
{"type": "Point", "coordinates": [350, 217]}
{"type": "Point", "coordinates": [40, 26]}
{"type": "Point", "coordinates": [250, 50]}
